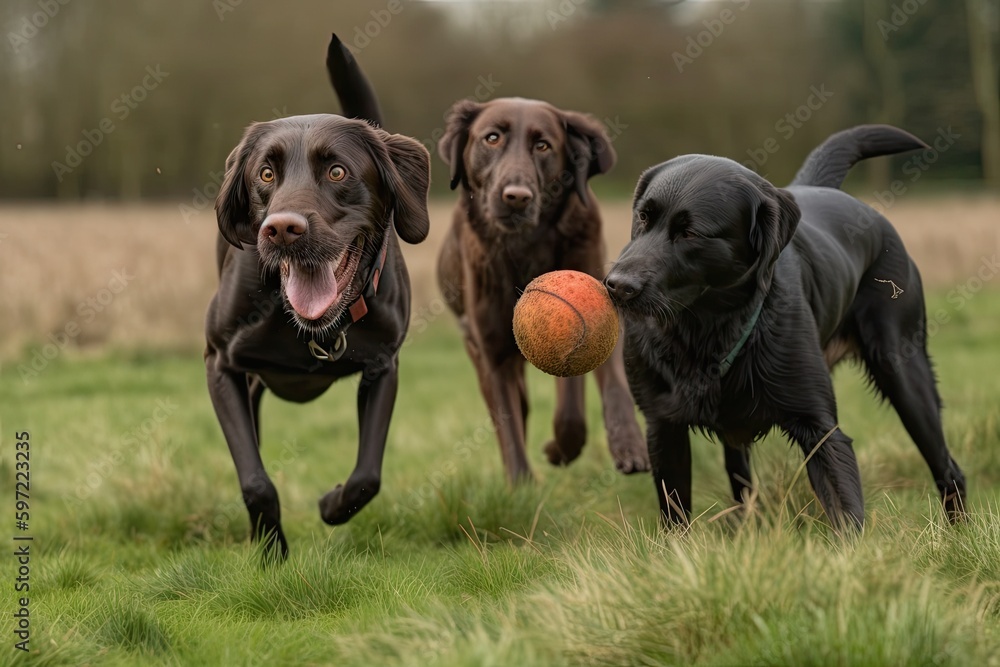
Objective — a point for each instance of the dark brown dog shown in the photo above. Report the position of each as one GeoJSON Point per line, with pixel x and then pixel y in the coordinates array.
{"type": "Point", "coordinates": [319, 201]}
{"type": "Point", "coordinates": [526, 209]}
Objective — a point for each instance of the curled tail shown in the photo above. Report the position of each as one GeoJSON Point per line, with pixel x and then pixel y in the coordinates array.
{"type": "Point", "coordinates": [357, 98]}
{"type": "Point", "coordinates": [828, 164]}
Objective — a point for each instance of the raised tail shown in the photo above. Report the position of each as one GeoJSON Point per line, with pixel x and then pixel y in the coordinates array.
{"type": "Point", "coordinates": [828, 164]}
{"type": "Point", "coordinates": [357, 98]}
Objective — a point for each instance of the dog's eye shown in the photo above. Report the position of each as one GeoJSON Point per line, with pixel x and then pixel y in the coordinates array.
{"type": "Point", "coordinates": [688, 234]}
{"type": "Point", "coordinates": [493, 138]}
{"type": "Point", "coordinates": [642, 217]}
{"type": "Point", "coordinates": [266, 174]}
{"type": "Point", "coordinates": [337, 173]}
{"type": "Point", "coordinates": [542, 146]}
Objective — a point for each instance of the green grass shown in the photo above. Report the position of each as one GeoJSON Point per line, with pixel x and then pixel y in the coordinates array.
{"type": "Point", "coordinates": [141, 553]}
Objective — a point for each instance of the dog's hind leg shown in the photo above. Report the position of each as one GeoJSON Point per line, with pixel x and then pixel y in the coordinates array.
{"type": "Point", "coordinates": [892, 336]}
{"type": "Point", "coordinates": [570, 423]}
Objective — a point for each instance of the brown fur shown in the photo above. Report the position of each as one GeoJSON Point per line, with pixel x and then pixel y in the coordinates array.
{"type": "Point", "coordinates": [499, 242]}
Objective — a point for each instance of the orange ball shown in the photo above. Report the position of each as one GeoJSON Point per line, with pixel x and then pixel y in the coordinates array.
{"type": "Point", "coordinates": [565, 323]}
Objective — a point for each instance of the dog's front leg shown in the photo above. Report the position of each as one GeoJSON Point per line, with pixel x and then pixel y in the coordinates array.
{"type": "Point", "coordinates": [737, 456]}
{"type": "Point", "coordinates": [670, 458]}
{"type": "Point", "coordinates": [376, 399]}
{"type": "Point", "coordinates": [624, 434]}
{"type": "Point", "coordinates": [231, 398]}
{"type": "Point", "coordinates": [832, 468]}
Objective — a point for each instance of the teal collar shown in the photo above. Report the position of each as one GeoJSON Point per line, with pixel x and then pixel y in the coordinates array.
{"type": "Point", "coordinates": [727, 363]}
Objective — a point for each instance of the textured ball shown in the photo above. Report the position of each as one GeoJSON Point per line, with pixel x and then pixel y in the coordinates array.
{"type": "Point", "coordinates": [565, 324]}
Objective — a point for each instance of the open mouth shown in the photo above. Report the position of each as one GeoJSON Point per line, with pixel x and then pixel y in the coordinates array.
{"type": "Point", "coordinates": [313, 291]}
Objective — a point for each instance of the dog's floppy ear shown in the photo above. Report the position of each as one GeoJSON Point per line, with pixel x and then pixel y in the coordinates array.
{"type": "Point", "coordinates": [232, 205]}
{"type": "Point", "coordinates": [451, 147]}
{"type": "Point", "coordinates": [407, 175]}
{"type": "Point", "coordinates": [773, 221]}
{"type": "Point", "coordinates": [588, 149]}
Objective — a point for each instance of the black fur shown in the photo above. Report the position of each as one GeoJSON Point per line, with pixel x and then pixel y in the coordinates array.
{"type": "Point", "coordinates": [713, 242]}
{"type": "Point", "coordinates": [827, 166]}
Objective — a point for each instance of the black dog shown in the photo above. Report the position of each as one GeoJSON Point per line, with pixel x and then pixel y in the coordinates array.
{"type": "Point", "coordinates": [738, 298]}
{"type": "Point", "coordinates": [319, 199]}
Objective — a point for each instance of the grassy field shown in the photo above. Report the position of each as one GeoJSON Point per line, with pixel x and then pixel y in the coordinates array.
{"type": "Point", "coordinates": [140, 551]}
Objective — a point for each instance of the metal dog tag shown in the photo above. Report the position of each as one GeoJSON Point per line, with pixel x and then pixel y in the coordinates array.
{"type": "Point", "coordinates": [339, 347]}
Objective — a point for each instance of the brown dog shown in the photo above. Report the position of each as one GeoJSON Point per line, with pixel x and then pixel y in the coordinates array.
{"type": "Point", "coordinates": [526, 209]}
{"type": "Point", "coordinates": [312, 283]}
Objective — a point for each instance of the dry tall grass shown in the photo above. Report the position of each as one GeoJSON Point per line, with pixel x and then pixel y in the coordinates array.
{"type": "Point", "coordinates": [58, 264]}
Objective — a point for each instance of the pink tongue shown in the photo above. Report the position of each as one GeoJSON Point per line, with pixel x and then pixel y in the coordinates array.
{"type": "Point", "coordinates": [311, 293]}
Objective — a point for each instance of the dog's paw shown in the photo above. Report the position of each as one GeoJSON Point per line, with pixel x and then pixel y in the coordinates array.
{"type": "Point", "coordinates": [557, 456]}
{"type": "Point", "coordinates": [343, 502]}
{"type": "Point", "coordinates": [954, 504]}
{"type": "Point", "coordinates": [630, 455]}
{"type": "Point", "coordinates": [571, 436]}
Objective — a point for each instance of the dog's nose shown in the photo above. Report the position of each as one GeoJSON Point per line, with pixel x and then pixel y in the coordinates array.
{"type": "Point", "coordinates": [622, 287]}
{"type": "Point", "coordinates": [283, 228]}
{"type": "Point", "coordinates": [517, 196]}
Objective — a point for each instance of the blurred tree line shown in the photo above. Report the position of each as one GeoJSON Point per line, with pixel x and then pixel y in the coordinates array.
{"type": "Point", "coordinates": [144, 99]}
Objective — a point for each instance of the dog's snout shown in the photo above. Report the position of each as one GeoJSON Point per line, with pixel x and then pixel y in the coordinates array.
{"type": "Point", "coordinates": [283, 228]}
{"type": "Point", "coordinates": [517, 196]}
{"type": "Point", "coordinates": [622, 287]}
